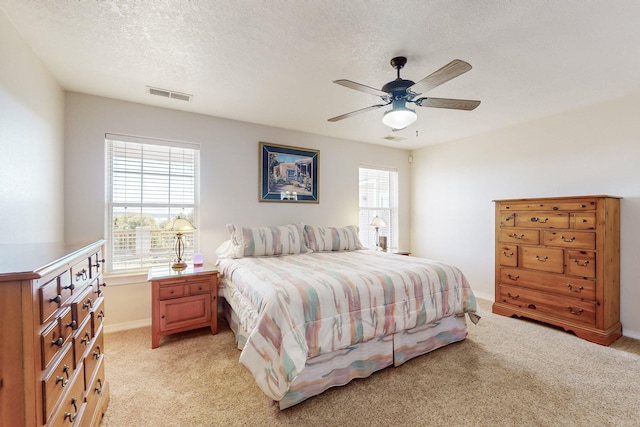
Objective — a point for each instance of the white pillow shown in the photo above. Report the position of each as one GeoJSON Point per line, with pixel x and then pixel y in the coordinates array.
{"type": "Point", "coordinates": [225, 250]}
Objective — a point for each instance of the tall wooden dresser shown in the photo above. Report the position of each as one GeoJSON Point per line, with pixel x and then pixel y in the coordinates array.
{"type": "Point", "coordinates": [558, 261]}
{"type": "Point", "coordinates": [51, 335]}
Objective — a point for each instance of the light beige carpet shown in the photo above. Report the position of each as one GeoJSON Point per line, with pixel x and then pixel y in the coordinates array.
{"type": "Point", "coordinates": [507, 372]}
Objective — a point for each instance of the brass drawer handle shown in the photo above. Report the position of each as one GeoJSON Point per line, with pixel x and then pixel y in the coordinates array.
{"type": "Point", "coordinates": [75, 414]}
{"type": "Point", "coordinates": [564, 239]}
{"type": "Point", "coordinates": [570, 286]}
{"type": "Point", "coordinates": [513, 297]}
{"type": "Point", "coordinates": [82, 274]}
{"type": "Point", "coordinates": [512, 277]}
{"type": "Point", "coordinates": [577, 313]}
{"type": "Point", "coordinates": [544, 259]}
{"type": "Point", "coordinates": [541, 221]}
{"type": "Point", "coordinates": [515, 236]}
{"type": "Point", "coordinates": [86, 339]}
{"type": "Point", "coordinates": [58, 342]}
{"type": "Point", "coordinates": [584, 263]}
{"type": "Point", "coordinates": [508, 255]}
{"type": "Point", "coordinates": [99, 389]}
{"type": "Point", "coordinates": [56, 299]}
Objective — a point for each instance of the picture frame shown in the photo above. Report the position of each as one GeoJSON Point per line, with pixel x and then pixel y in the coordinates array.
{"type": "Point", "coordinates": [289, 174]}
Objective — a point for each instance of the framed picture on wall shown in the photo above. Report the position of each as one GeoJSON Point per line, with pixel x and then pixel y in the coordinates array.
{"type": "Point", "coordinates": [288, 174]}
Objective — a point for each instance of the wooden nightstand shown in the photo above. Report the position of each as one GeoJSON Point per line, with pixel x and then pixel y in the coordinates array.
{"type": "Point", "coordinates": [183, 300]}
{"type": "Point", "coordinates": [405, 253]}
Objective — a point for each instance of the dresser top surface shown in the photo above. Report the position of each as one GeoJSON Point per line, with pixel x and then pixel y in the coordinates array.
{"type": "Point", "coordinates": [524, 199]}
{"type": "Point", "coordinates": [31, 260]}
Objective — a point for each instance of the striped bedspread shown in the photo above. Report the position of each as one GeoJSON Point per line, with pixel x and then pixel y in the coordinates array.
{"type": "Point", "coordinates": [299, 306]}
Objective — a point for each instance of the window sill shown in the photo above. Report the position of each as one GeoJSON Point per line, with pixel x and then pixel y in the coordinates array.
{"type": "Point", "coordinates": [121, 279]}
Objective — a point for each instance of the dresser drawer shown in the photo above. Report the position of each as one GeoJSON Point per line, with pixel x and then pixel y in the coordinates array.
{"type": "Point", "coordinates": [542, 219]}
{"type": "Point", "coordinates": [507, 219]}
{"type": "Point", "coordinates": [50, 300]}
{"type": "Point", "coordinates": [569, 239]}
{"type": "Point", "coordinates": [550, 283]}
{"type": "Point", "coordinates": [508, 255]}
{"type": "Point", "coordinates": [65, 286]}
{"type": "Point", "coordinates": [82, 339]}
{"type": "Point", "coordinates": [55, 381]}
{"type": "Point", "coordinates": [95, 263]}
{"type": "Point", "coordinates": [97, 286]}
{"type": "Point", "coordinates": [583, 220]}
{"type": "Point", "coordinates": [581, 263]}
{"type": "Point", "coordinates": [95, 386]}
{"type": "Point", "coordinates": [97, 315]}
{"type": "Point", "coordinates": [94, 356]}
{"type": "Point", "coordinates": [520, 236]}
{"type": "Point", "coordinates": [81, 273]}
{"type": "Point", "coordinates": [81, 306]}
{"type": "Point", "coordinates": [72, 405]}
{"type": "Point", "coordinates": [549, 205]}
{"type": "Point", "coordinates": [543, 259]}
{"type": "Point", "coordinates": [57, 334]}
{"type": "Point", "coordinates": [570, 309]}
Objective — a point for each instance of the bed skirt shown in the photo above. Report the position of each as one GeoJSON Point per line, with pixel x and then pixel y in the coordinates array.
{"type": "Point", "coordinates": [360, 360]}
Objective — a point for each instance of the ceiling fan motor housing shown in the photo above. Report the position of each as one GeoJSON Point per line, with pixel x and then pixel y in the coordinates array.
{"type": "Point", "coordinates": [398, 88]}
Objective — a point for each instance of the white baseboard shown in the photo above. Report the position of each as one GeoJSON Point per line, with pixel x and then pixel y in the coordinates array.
{"type": "Point", "coordinates": [127, 325]}
{"type": "Point", "coordinates": [631, 334]}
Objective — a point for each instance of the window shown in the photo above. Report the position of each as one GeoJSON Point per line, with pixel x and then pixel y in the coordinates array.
{"type": "Point", "coordinates": [149, 182]}
{"type": "Point", "coordinates": [378, 196]}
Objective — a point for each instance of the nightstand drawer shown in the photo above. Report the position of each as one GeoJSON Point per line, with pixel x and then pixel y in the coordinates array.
{"type": "Point", "coordinates": [176, 291]}
{"type": "Point", "coordinates": [197, 288]}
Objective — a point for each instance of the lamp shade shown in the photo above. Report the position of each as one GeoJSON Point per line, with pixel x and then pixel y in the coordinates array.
{"type": "Point", "coordinates": [399, 117]}
{"type": "Point", "coordinates": [377, 222]}
{"type": "Point", "coordinates": [180, 225]}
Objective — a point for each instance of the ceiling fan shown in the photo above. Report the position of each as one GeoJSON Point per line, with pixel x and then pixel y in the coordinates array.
{"type": "Point", "coordinates": [399, 92]}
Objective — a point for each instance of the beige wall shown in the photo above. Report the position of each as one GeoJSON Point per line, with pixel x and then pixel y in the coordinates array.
{"type": "Point", "coordinates": [594, 150]}
{"type": "Point", "coordinates": [31, 143]}
{"type": "Point", "coordinates": [229, 180]}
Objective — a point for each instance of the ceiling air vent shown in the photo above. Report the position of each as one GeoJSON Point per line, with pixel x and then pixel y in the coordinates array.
{"type": "Point", "coordinates": [169, 94]}
{"type": "Point", "coordinates": [394, 138]}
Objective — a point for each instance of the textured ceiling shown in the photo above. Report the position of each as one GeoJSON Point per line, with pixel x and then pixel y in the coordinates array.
{"type": "Point", "coordinates": [272, 62]}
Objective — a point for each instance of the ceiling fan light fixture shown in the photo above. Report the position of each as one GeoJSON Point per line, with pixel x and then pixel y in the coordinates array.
{"type": "Point", "coordinates": [399, 117]}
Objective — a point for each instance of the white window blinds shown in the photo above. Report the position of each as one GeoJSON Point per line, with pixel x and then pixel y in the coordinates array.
{"type": "Point", "coordinates": [378, 197]}
{"type": "Point", "coordinates": [149, 182]}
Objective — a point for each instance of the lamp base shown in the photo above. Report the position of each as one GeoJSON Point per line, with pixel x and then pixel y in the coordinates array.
{"type": "Point", "coordinates": [179, 265]}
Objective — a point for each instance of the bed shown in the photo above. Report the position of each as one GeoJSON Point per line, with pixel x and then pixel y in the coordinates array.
{"type": "Point", "coordinates": [311, 309]}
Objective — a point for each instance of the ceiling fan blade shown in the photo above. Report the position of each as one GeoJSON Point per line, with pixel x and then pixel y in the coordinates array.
{"type": "Point", "coordinates": [353, 113]}
{"type": "Point", "coordinates": [454, 104]}
{"type": "Point", "coordinates": [361, 87]}
{"type": "Point", "coordinates": [443, 75]}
